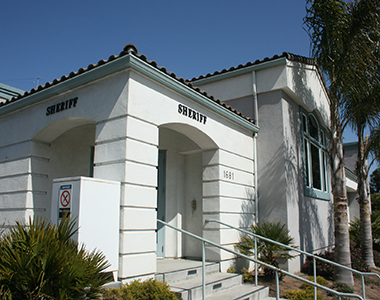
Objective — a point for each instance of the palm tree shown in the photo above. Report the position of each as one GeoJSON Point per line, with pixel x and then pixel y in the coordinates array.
{"type": "Point", "coordinates": [327, 23]}
{"type": "Point", "coordinates": [364, 199]}
{"type": "Point", "coordinates": [363, 102]}
{"type": "Point", "coordinates": [345, 38]}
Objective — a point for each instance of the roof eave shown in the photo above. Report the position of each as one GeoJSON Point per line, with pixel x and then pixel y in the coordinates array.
{"type": "Point", "coordinates": [119, 64]}
{"type": "Point", "coordinates": [68, 84]}
{"type": "Point", "coordinates": [241, 71]}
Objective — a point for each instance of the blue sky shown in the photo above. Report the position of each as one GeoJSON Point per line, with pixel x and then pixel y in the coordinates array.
{"type": "Point", "coordinates": [48, 39]}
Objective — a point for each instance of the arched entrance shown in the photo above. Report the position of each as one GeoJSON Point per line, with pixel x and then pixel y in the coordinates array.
{"type": "Point", "coordinates": [64, 148]}
{"type": "Point", "coordinates": [180, 188]}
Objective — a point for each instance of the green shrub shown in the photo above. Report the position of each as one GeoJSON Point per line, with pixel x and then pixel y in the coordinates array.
{"type": "Point", "coordinates": [297, 294]}
{"type": "Point", "coordinates": [307, 290]}
{"type": "Point", "coordinates": [323, 269]}
{"type": "Point", "coordinates": [328, 271]}
{"type": "Point", "coordinates": [355, 235]}
{"type": "Point", "coordinates": [231, 270]}
{"type": "Point", "coordinates": [357, 260]}
{"type": "Point", "coordinates": [376, 258]}
{"type": "Point", "coordinates": [150, 289]}
{"type": "Point", "coordinates": [267, 251]}
{"type": "Point", "coordinates": [41, 261]}
{"type": "Point", "coordinates": [343, 288]}
{"type": "Point", "coordinates": [320, 280]}
{"type": "Point", "coordinates": [247, 276]}
{"type": "Point", "coordinates": [376, 231]}
{"type": "Point", "coordinates": [355, 231]}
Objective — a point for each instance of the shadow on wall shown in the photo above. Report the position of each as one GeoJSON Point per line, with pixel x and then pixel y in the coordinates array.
{"type": "Point", "coordinates": [313, 233]}
{"type": "Point", "coordinates": [303, 90]}
{"type": "Point", "coordinates": [271, 199]}
{"type": "Point", "coordinates": [248, 209]}
{"type": "Point", "coordinates": [248, 217]}
{"type": "Point", "coordinates": [272, 204]}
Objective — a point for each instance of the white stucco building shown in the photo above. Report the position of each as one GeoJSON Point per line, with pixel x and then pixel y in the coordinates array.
{"type": "Point", "coordinates": [165, 149]}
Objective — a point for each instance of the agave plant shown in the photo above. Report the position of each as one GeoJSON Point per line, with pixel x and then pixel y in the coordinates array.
{"type": "Point", "coordinates": [267, 251]}
{"type": "Point", "coordinates": [41, 261]}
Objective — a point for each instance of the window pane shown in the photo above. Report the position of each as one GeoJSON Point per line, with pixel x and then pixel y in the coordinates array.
{"type": "Point", "coordinates": [306, 163]}
{"type": "Point", "coordinates": [304, 123]}
{"type": "Point", "coordinates": [322, 141]}
{"type": "Point", "coordinates": [323, 172]}
{"type": "Point", "coordinates": [315, 167]}
{"type": "Point", "coordinates": [325, 168]}
{"type": "Point", "coordinates": [313, 128]}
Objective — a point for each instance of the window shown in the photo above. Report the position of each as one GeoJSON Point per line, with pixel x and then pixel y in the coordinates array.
{"type": "Point", "coordinates": [314, 157]}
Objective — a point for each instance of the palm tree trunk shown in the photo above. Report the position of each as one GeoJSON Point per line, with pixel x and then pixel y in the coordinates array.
{"type": "Point", "coordinates": [364, 201]}
{"type": "Point", "coordinates": [342, 240]}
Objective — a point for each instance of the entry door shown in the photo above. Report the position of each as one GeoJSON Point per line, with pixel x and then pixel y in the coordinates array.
{"type": "Point", "coordinates": [161, 199]}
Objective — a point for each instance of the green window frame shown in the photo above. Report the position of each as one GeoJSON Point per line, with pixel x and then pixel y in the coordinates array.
{"type": "Point", "coordinates": [315, 157]}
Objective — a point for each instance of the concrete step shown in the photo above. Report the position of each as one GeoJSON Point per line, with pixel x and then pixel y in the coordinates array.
{"type": "Point", "coordinates": [245, 291]}
{"type": "Point", "coordinates": [175, 271]}
{"type": "Point", "coordinates": [215, 282]}
{"type": "Point", "coordinates": [185, 279]}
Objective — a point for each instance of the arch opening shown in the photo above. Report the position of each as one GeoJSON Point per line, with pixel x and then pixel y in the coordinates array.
{"type": "Point", "coordinates": [62, 149]}
{"type": "Point", "coordinates": [180, 189]}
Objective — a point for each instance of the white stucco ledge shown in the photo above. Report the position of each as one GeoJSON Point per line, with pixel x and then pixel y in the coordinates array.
{"type": "Point", "coordinates": [351, 181]}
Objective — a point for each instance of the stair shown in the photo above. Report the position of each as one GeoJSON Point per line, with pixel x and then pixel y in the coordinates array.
{"type": "Point", "coordinates": [185, 279]}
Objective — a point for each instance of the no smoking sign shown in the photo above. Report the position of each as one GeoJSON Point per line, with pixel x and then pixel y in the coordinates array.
{"type": "Point", "coordinates": [65, 192]}
{"type": "Point", "coordinates": [65, 198]}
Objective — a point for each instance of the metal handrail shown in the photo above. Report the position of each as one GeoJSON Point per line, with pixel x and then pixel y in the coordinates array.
{"type": "Point", "coordinates": [277, 270]}
{"type": "Point", "coordinates": [302, 252]}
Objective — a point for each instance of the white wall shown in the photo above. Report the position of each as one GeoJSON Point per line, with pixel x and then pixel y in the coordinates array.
{"type": "Point", "coordinates": [271, 159]}
{"type": "Point", "coordinates": [16, 195]}
{"type": "Point", "coordinates": [282, 89]}
{"type": "Point", "coordinates": [281, 182]}
{"type": "Point", "coordinates": [122, 115]}
{"type": "Point", "coordinates": [25, 188]}
{"type": "Point", "coordinates": [235, 155]}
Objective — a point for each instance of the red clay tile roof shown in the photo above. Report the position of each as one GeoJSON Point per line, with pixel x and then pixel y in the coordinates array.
{"type": "Point", "coordinates": [131, 49]}
{"type": "Point", "coordinates": [287, 55]}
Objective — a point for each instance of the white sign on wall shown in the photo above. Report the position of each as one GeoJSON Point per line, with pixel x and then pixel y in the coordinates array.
{"type": "Point", "coordinates": [64, 200]}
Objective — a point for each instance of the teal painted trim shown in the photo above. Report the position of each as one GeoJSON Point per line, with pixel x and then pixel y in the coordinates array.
{"type": "Point", "coordinates": [351, 175]}
{"type": "Point", "coordinates": [123, 63]}
{"type": "Point", "coordinates": [188, 92]}
{"type": "Point", "coordinates": [242, 71]}
{"type": "Point", "coordinates": [70, 83]}
{"type": "Point", "coordinates": [308, 191]}
{"type": "Point", "coordinates": [350, 146]}
{"type": "Point", "coordinates": [11, 88]}
{"type": "Point", "coordinates": [317, 194]}
{"type": "Point", "coordinates": [7, 91]}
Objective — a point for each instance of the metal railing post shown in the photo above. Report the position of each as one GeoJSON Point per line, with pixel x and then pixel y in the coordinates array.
{"type": "Point", "coordinates": [315, 277]}
{"type": "Point", "coordinates": [256, 262]}
{"type": "Point", "coordinates": [363, 286]}
{"type": "Point", "coordinates": [277, 287]}
{"type": "Point", "coordinates": [203, 271]}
